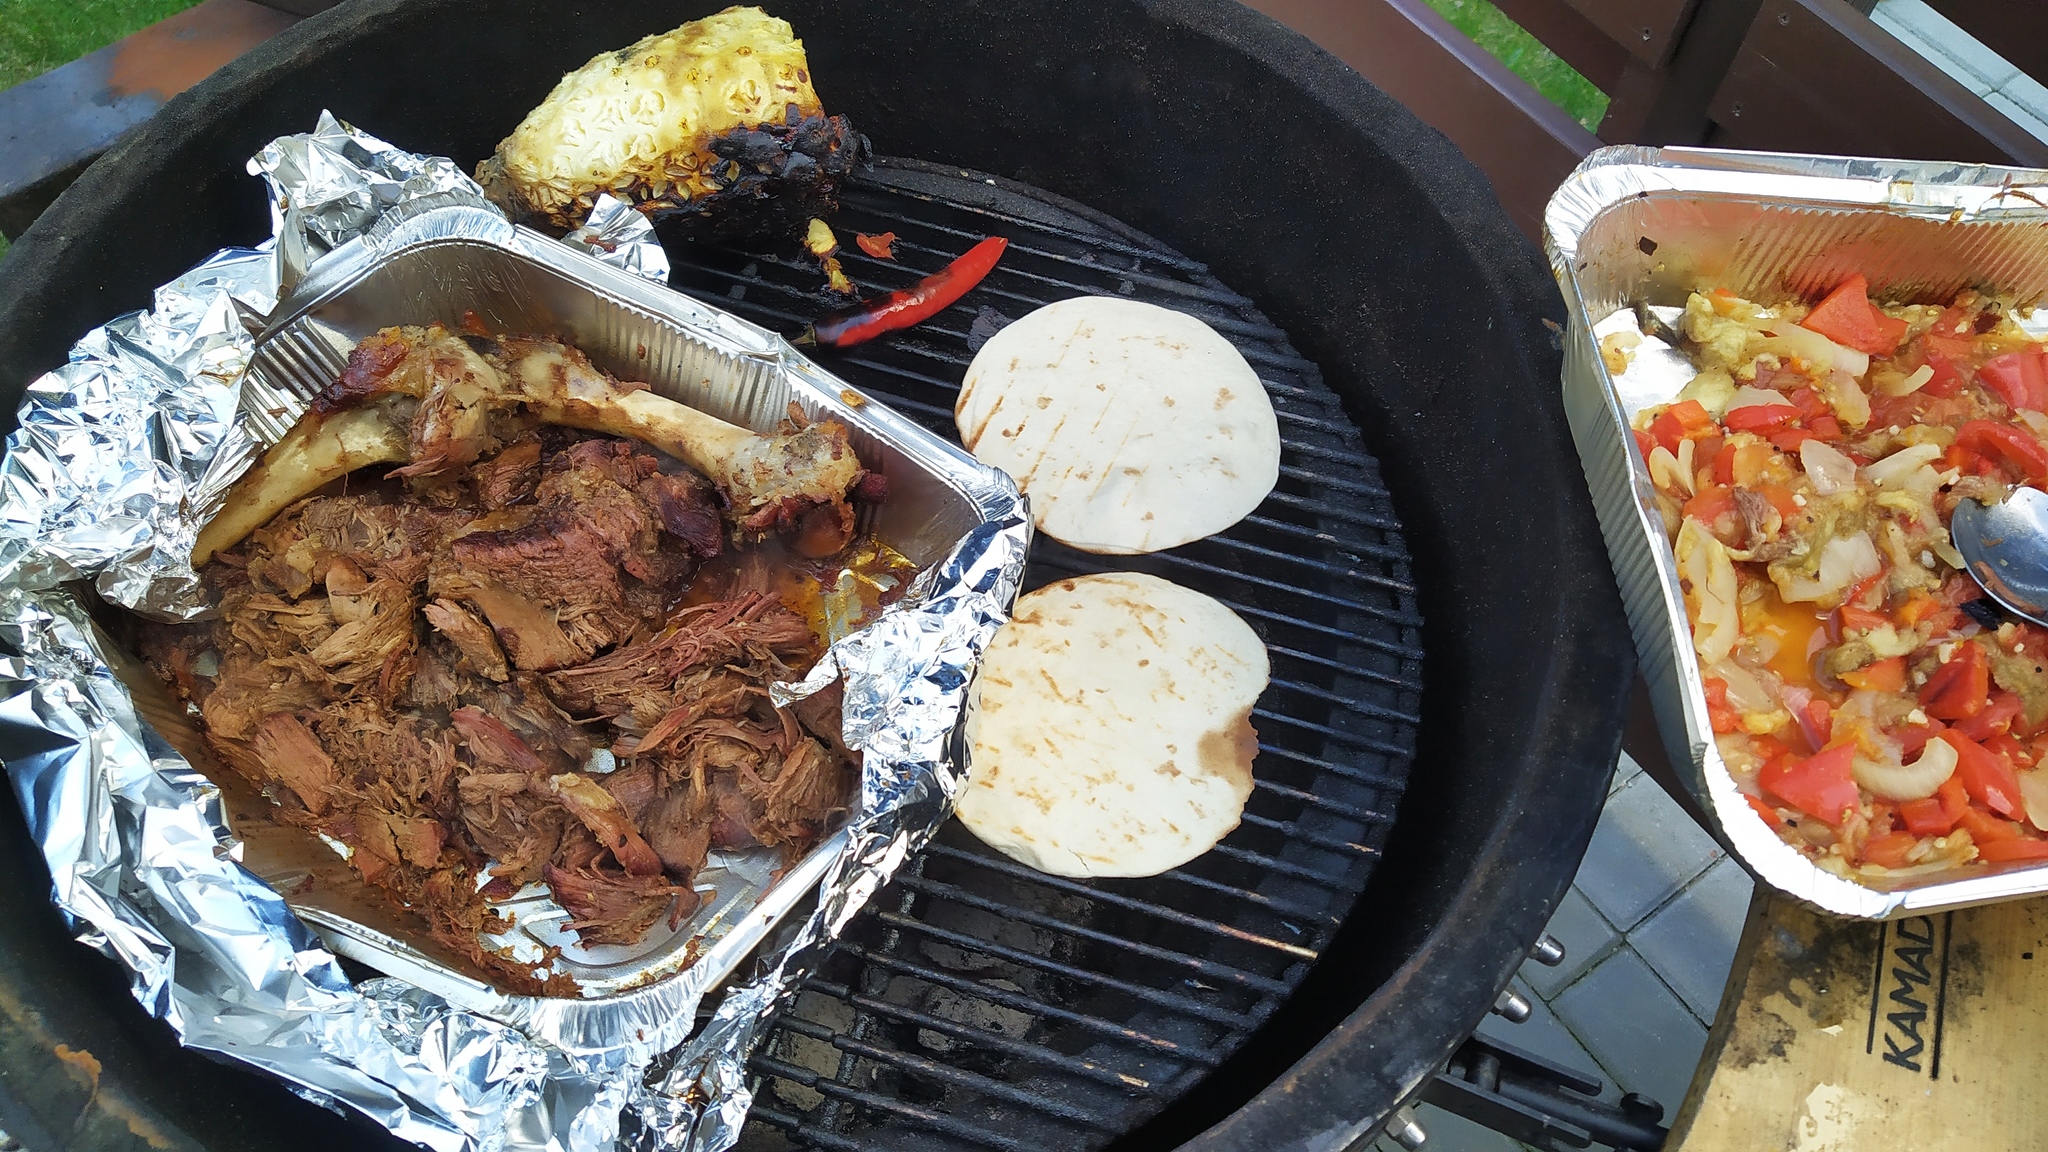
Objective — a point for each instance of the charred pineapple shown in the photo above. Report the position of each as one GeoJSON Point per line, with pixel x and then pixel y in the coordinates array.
{"type": "Point", "coordinates": [715, 122]}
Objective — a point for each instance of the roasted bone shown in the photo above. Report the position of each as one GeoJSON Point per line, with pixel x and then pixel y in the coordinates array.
{"type": "Point", "coordinates": [466, 405]}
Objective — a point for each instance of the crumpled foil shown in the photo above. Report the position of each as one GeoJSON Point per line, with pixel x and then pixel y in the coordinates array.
{"type": "Point", "coordinates": [117, 454]}
{"type": "Point", "coordinates": [622, 236]}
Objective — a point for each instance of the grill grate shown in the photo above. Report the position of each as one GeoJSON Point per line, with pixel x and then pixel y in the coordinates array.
{"type": "Point", "coordinates": [978, 1004]}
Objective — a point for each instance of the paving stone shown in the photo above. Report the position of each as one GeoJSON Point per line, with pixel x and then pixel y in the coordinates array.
{"type": "Point", "coordinates": [1587, 938]}
{"type": "Point", "coordinates": [1625, 770]}
{"type": "Point", "coordinates": [2028, 93]}
{"type": "Point", "coordinates": [1636, 1027]}
{"type": "Point", "coordinates": [2018, 114]}
{"type": "Point", "coordinates": [1643, 850]}
{"type": "Point", "coordinates": [1690, 942]}
{"type": "Point", "coordinates": [1952, 50]}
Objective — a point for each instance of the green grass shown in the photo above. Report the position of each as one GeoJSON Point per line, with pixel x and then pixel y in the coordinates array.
{"type": "Point", "coordinates": [38, 35]}
{"type": "Point", "coordinates": [1524, 55]}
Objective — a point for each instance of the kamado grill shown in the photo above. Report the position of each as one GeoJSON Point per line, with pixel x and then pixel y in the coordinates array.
{"type": "Point", "coordinates": [1448, 655]}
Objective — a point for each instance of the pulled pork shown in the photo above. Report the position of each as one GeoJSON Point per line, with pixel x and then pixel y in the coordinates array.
{"type": "Point", "coordinates": [425, 680]}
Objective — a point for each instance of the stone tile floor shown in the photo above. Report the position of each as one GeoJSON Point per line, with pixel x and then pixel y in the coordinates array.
{"type": "Point", "coordinates": [1956, 52]}
{"type": "Point", "coordinates": [1649, 929]}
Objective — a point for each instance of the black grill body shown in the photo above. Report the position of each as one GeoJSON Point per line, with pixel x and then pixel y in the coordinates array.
{"type": "Point", "coordinates": [1358, 239]}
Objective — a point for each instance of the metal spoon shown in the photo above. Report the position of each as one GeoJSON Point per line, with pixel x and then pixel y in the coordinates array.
{"type": "Point", "coordinates": [2005, 546]}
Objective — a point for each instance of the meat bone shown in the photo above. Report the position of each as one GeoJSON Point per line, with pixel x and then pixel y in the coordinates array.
{"type": "Point", "coordinates": [370, 417]}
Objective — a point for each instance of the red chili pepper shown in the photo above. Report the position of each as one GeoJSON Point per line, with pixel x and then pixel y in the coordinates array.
{"type": "Point", "coordinates": [902, 309]}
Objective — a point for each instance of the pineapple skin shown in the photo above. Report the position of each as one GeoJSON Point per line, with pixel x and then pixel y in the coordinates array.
{"type": "Point", "coordinates": [713, 127]}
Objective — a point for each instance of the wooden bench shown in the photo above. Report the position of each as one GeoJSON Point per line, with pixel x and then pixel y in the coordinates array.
{"type": "Point", "coordinates": [53, 126]}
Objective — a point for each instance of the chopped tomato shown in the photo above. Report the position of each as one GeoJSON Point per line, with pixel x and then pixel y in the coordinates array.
{"type": "Point", "coordinates": [1987, 777]}
{"type": "Point", "coordinates": [1949, 357]}
{"type": "Point", "coordinates": [1890, 849]}
{"type": "Point", "coordinates": [1826, 427]}
{"type": "Point", "coordinates": [2018, 378]}
{"type": "Point", "coordinates": [1856, 619]}
{"type": "Point", "coordinates": [1645, 442]}
{"type": "Point", "coordinates": [2006, 851]}
{"type": "Point", "coordinates": [1720, 713]}
{"type": "Point", "coordinates": [1780, 497]}
{"type": "Point", "coordinates": [1667, 431]}
{"type": "Point", "coordinates": [1914, 737]}
{"type": "Point", "coordinates": [1883, 676]}
{"type": "Point", "coordinates": [2006, 443]}
{"type": "Point", "coordinates": [1918, 606]}
{"type": "Point", "coordinates": [1955, 799]}
{"type": "Point", "coordinates": [1996, 718]}
{"type": "Point", "coordinates": [1741, 464]}
{"type": "Point", "coordinates": [1816, 721]}
{"type": "Point", "coordinates": [1926, 817]}
{"type": "Point", "coordinates": [1716, 509]}
{"type": "Point", "coordinates": [1984, 828]}
{"type": "Point", "coordinates": [1755, 417]}
{"type": "Point", "coordinates": [1869, 591]}
{"type": "Point", "coordinates": [1848, 318]}
{"type": "Point", "coordinates": [1959, 688]}
{"type": "Point", "coordinates": [1764, 810]}
{"type": "Point", "coordinates": [1811, 404]}
{"type": "Point", "coordinates": [1967, 462]}
{"type": "Point", "coordinates": [1691, 415]}
{"type": "Point", "coordinates": [1819, 785]}
{"type": "Point", "coordinates": [1790, 439]}
{"type": "Point", "coordinates": [2013, 752]}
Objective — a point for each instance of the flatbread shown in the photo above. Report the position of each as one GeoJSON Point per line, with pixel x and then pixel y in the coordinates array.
{"type": "Point", "coordinates": [1132, 427]}
{"type": "Point", "coordinates": [1110, 732]}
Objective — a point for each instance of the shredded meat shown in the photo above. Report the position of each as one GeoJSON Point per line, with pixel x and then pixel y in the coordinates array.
{"type": "Point", "coordinates": [424, 668]}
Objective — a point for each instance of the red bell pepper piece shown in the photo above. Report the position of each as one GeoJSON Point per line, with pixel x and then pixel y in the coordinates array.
{"type": "Point", "coordinates": [1847, 317]}
{"type": "Point", "coordinates": [1819, 785]}
{"type": "Point", "coordinates": [2006, 851]}
{"type": "Point", "coordinates": [1926, 817]}
{"type": "Point", "coordinates": [1996, 718]}
{"type": "Point", "coordinates": [1884, 676]}
{"type": "Point", "coordinates": [902, 309]}
{"type": "Point", "coordinates": [1987, 777]}
{"type": "Point", "coordinates": [1890, 849]}
{"type": "Point", "coordinates": [1645, 442]}
{"type": "Point", "coordinates": [1720, 714]}
{"type": "Point", "coordinates": [1984, 828]}
{"type": "Point", "coordinates": [1960, 688]}
{"type": "Point", "coordinates": [2008, 444]}
{"type": "Point", "coordinates": [2018, 378]}
{"type": "Point", "coordinates": [1764, 809]}
{"type": "Point", "coordinates": [1757, 417]}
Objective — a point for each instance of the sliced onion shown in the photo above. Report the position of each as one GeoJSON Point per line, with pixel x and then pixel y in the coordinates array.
{"type": "Point", "coordinates": [1908, 384]}
{"type": "Point", "coordinates": [1830, 471]}
{"type": "Point", "coordinates": [1704, 563]}
{"type": "Point", "coordinates": [1747, 690]}
{"type": "Point", "coordinates": [1847, 398]}
{"type": "Point", "coordinates": [1894, 470]}
{"type": "Point", "coordinates": [1750, 396]}
{"type": "Point", "coordinates": [1890, 780]}
{"type": "Point", "coordinates": [1843, 561]}
{"type": "Point", "coordinates": [2034, 794]}
{"type": "Point", "coordinates": [1817, 350]}
{"type": "Point", "coordinates": [1796, 701]}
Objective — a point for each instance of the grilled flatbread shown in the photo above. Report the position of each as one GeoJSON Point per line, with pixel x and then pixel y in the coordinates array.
{"type": "Point", "coordinates": [1111, 732]}
{"type": "Point", "coordinates": [1133, 427]}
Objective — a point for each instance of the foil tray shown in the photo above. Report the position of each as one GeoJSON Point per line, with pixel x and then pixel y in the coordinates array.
{"type": "Point", "coordinates": [437, 263]}
{"type": "Point", "coordinates": [1642, 227]}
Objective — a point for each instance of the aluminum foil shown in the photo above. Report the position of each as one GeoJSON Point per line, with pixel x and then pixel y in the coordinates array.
{"type": "Point", "coordinates": [118, 455]}
{"type": "Point", "coordinates": [1642, 227]}
{"type": "Point", "coordinates": [620, 235]}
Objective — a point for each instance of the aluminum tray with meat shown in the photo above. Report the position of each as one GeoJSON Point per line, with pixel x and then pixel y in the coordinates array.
{"type": "Point", "coordinates": [517, 676]}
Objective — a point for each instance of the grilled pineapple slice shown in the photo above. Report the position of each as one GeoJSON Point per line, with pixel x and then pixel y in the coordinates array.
{"type": "Point", "coordinates": [716, 122]}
